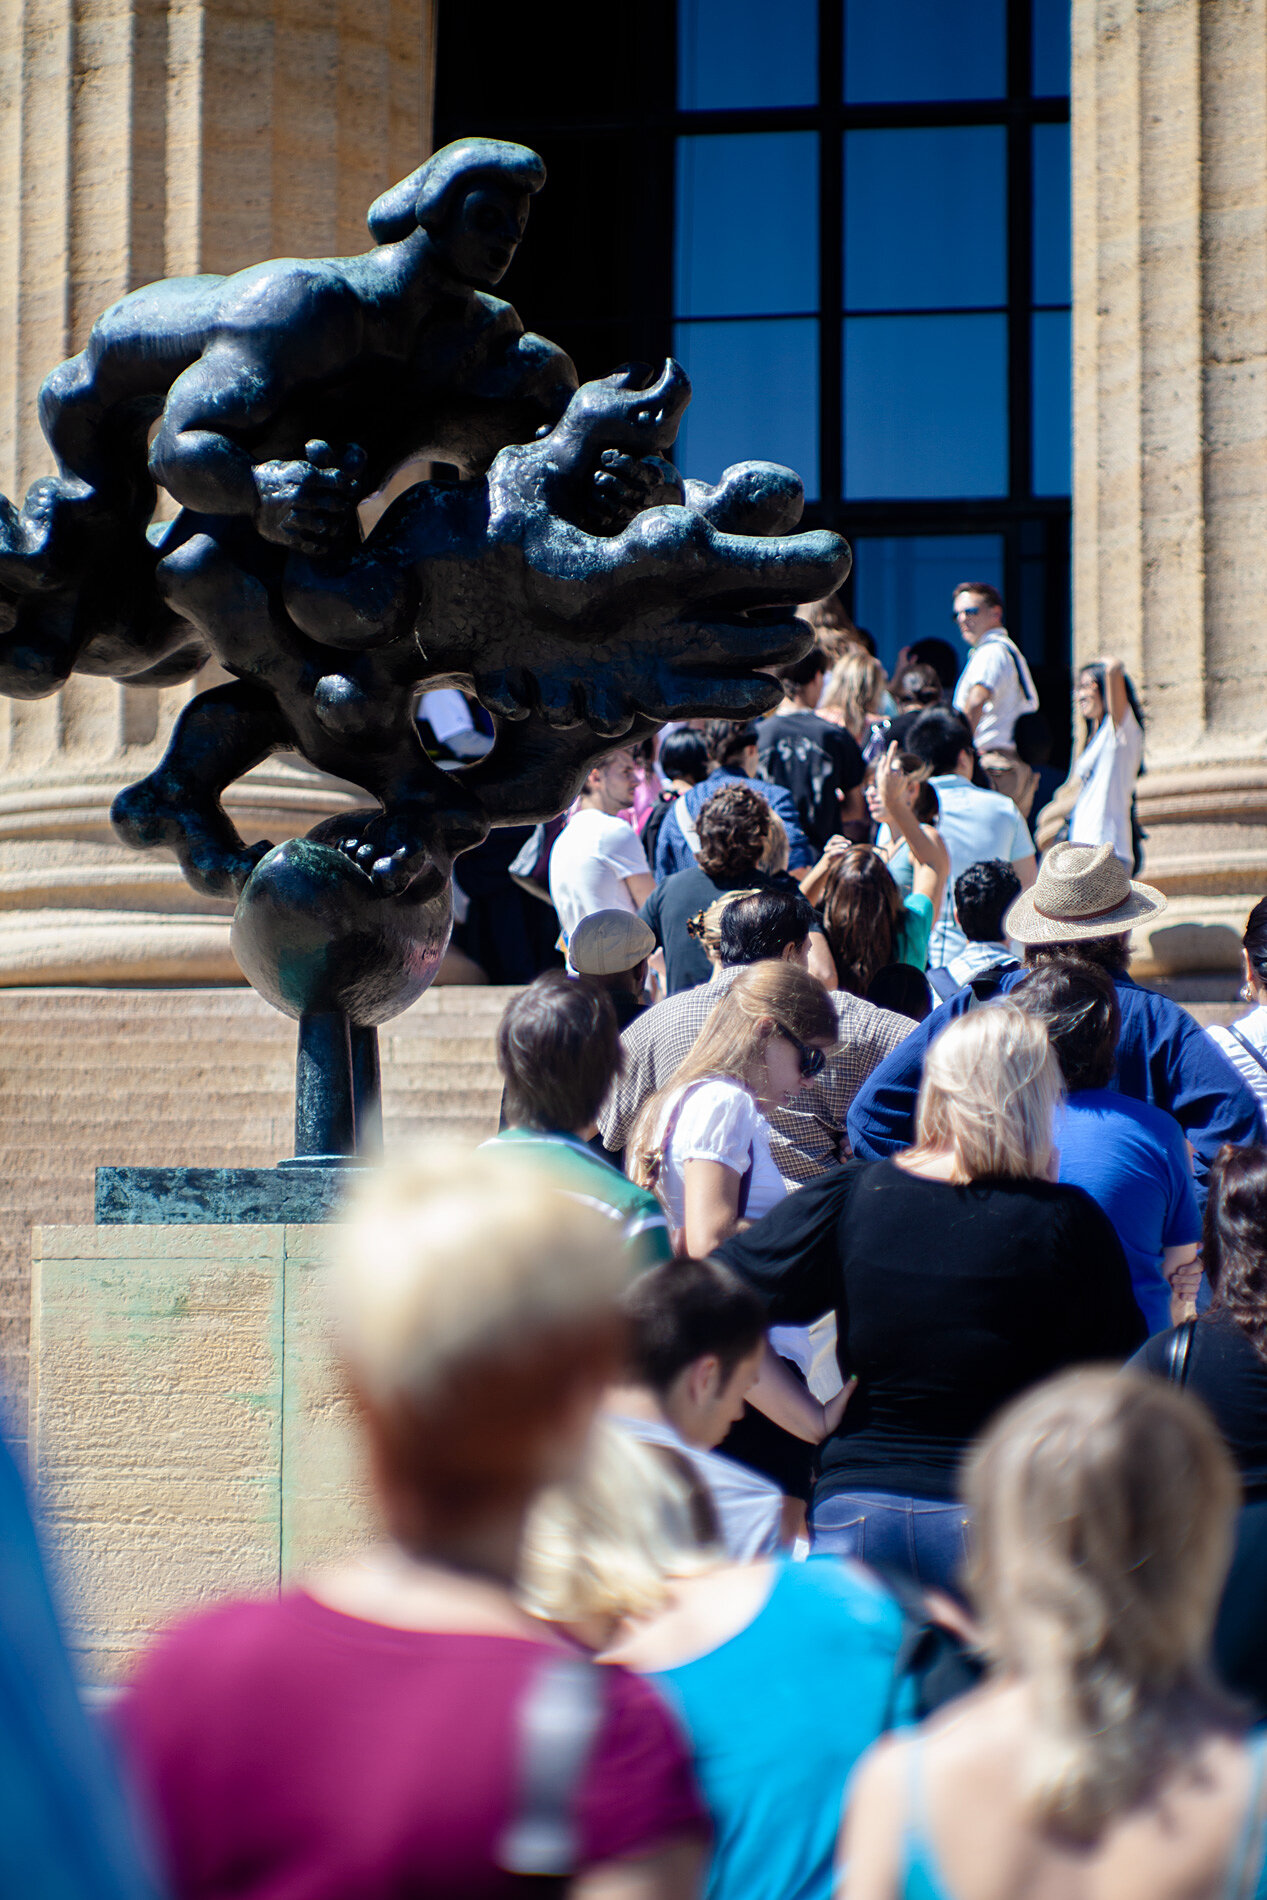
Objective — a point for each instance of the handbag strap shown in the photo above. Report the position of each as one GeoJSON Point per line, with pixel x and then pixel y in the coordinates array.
{"type": "Point", "coordinates": [557, 1726]}
{"type": "Point", "coordinates": [1178, 1349]}
{"type": "Point", "coordinates": [1248, 1046]}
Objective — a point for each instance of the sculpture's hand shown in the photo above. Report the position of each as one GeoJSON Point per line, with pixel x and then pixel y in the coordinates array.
{"type": "Point", "coordinates": [624, 485]}
{"type": "Point", "coordinates": [308, 505]}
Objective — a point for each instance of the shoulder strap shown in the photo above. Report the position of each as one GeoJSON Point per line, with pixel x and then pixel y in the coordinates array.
{"type": "Point", "coordinates": [1177, 1351]}
{"type": "Point", "coordinates": [685, 823]}
{"type": "Point", "coordinates": [1248, 1046]}
{"type": "Point", "coordinates": [557, 1725]}
{"type": "Point", "coordinates": [1245, 1878]}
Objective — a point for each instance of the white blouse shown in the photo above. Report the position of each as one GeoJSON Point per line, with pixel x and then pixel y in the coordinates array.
{"type": "Point", "coordinates": [718, 1120]}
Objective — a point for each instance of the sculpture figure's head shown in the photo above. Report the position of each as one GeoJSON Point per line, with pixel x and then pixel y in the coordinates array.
{"type": "Point", "coordinates": [472, 197]}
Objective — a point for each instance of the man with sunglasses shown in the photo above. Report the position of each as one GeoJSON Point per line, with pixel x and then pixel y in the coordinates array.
{"type": "Point", "coordinates": [996, 686]}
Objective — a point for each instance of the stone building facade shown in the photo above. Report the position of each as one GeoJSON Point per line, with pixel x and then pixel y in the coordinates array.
{"type": "Point", "coordinates": [1169, 110]}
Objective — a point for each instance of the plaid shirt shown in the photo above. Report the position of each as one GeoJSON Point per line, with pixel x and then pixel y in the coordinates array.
{"type": "Point", "coordinates": [805, 1141]}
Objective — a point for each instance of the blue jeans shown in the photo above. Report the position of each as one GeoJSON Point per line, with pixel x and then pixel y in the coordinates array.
{"type": "Point", "coordinates": [925, 1538]}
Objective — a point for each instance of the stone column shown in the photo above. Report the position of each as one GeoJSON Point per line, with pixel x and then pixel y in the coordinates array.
{"type": "Point", "coordinates": [1170, 432]}
{"type": "Point", "coordinates": [143, 139]}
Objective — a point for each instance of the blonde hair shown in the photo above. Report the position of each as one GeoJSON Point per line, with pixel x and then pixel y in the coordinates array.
{"type": "Point", "coordinates": [779, 994]}
{"type": "Point", "coordinates": [1104, 1511]}
{"type": "Point", "coordinates": [608, 1544]}
{"type": "Point", "coordinates": [471, 1305]}
{"type": "Point", "coordinates": [855, 689]}
{"type": "Point", "coordinates": [777, 850]}
{"type": "Point", "coordinates": [834, 632]}
{"type": "Point", "coordinates": [990, 1089]}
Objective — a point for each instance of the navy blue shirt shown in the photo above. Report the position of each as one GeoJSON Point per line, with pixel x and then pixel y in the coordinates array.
{"type": "Point", "coordinates": [673, 853]}
{"type": "Point", "coordinates": [1163, 1057]}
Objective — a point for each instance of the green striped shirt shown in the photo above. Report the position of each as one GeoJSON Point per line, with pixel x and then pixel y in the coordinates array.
{"type": "Point", "coordinates": [578, 1172]}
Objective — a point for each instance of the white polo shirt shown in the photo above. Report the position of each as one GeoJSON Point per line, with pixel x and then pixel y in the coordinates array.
{"type": "Point", "coordinates": [998, 664]}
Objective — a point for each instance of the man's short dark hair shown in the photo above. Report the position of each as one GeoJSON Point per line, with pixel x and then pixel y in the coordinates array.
{"type": "Point", "coordinates": [938, 737]}
{"type": "Point", "coordinates": [685, 755]}
{"type": "Point", "coordinates": [727, 741]}
{"type": "Point", "coordinates": [1108, 953]}
{"type": "Point", "coordinates": [684, 1309]}
{"type": "Point", "coordinates": [558, 1048]}
{"type": "Point", "coordinates": [762, 926]}
{"type": "Point", "coordinates": [990, 596]}
{"type": "Point", "coordinates": [982, 894]}
{"type": "Point", "coordinates": [734, 829]}
{"type": "Point", "coordinates": [801, 672]}
{"type": "Point", "coordinates": [1078, 1003]}
{"type": "Point", "coordinates": [940, 655]}
{"type": "Point", "coordinates": [1032, 739]}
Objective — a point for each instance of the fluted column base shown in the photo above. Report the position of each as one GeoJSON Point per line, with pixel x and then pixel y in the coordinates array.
{"type": "Point", "coordinates": [1207, 851]}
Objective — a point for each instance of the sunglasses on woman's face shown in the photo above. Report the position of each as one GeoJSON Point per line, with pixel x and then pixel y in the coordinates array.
{"type": "Point", "coordinates": [812, 1060]}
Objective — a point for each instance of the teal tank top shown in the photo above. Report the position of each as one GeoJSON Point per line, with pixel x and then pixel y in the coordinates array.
{"type": "Point", "coordinates": [778, 1716]}
{"type": "Point", "coordinates": [923, 1879]}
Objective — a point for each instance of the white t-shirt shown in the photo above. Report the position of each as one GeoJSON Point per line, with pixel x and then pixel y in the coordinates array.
{"type": "Point", "coordinates": [1108, 769]}
{"type": "Point", "coordinates": [1254, 1029]}
{"type": "Point", "coordinates": [749, 1508]}
{"type": "Point", "coordinates": [592, 857]}
{"type": "Point", "coordinates": [718, 1121]}
{"type": "Point", "coordinates": [998, 664]}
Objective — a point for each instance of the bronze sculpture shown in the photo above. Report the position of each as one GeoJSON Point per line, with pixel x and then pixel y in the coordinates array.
{"type": "Point", "coordinates": [569, 579]}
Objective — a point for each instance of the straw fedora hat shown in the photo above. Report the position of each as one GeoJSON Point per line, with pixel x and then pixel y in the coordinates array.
{"type": "Point", "coordinates": [1082, 890]}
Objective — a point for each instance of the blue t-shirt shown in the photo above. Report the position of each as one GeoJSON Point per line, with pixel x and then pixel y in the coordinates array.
{"type": "Point", "coordinates": [673, 853]}
{"type": "Point", "coordinates": [1132, 1160]}
{"type": "Point", "coordinates": [1163, 1057]}
{"type": "Point", "coordinates": [776, 1719]}
{"type": "Point", "coordinates": [974, 825]}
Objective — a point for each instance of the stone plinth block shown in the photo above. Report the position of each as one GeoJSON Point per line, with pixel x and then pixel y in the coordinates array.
{"type": "Point", "coordinates": [189, 1435]}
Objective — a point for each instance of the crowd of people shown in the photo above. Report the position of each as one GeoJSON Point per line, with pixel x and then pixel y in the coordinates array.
{"type": "Point", "coordinates": [820, 1441]}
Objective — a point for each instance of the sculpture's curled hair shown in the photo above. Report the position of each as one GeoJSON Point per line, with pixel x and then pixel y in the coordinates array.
{"type": "Point", "coordinates": [1234, 1249]}
{"type": "Point", "coordinates": [1104, 1506]}
{"type": "Point", "coordinates": [426, 196]}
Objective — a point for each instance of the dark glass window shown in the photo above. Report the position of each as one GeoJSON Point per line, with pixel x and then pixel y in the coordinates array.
{"type": "Point", "coordinates": [925, 406]}
{"type": "Point", "coordinates": [754, 396]}
{"type": "Point", "coordinates": [746, 230]}
{"type": "Point", "coordinates": [746, 53]}
{"type": "Point", "coordinates": [926, 218]}
{"type": "Point", "coordinates": [1050, 49]}
{"type": "Point", "coordinates": [1051, 214]}
{"type": "Point", "coordinates": [903, 587]}
{"type": "Point", "coordinates": [1053, 419]}
{"type": "Point", "coordinates": [898, 50]}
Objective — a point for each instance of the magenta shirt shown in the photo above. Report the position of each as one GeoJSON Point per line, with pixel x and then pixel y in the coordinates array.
{"type": "Point", "coordinates": [286, 1751]}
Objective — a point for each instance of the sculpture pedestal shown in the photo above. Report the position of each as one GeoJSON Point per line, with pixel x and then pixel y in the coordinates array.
{"type": "Point", "coordinates": [189, 1438]}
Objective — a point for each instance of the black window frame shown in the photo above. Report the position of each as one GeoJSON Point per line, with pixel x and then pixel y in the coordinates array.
{"type": "Point", "coordinates": [618, 95]}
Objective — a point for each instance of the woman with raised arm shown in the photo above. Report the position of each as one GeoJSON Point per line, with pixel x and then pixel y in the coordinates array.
{"type": "Point", "coordinates": [1102, 1759]}
{"type": "Point", "coordinates": [1110, 761]}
